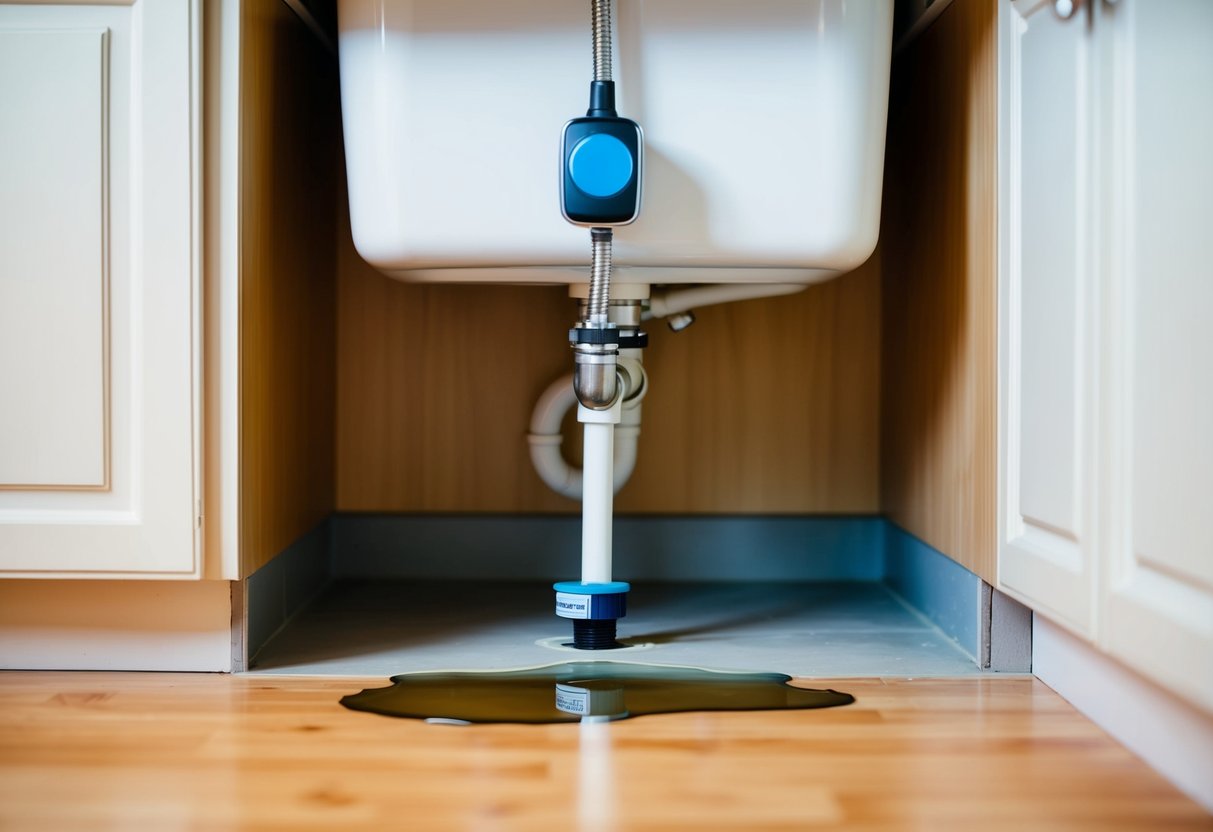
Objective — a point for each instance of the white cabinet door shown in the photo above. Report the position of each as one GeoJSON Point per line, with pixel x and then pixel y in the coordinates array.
{"type": "Point", "coordinates": [1048, 342]}
{"type": "Point", "coordinates": [99, 359]}
{"type": "Point", "coordinates": [1156, 97]}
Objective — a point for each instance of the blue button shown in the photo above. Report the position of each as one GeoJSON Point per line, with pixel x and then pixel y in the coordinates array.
{"type": "Point", "coordinates": [601, 165]}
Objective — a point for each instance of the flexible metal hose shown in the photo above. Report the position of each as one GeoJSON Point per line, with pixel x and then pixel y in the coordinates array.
{"type": "Point", "coordinates": [601, 12]}
{"type": "Point", "coordinates": [595, 379]}
{"type": "Point", "coordinates": [600, 263]}
{"type": "Point", "coordinates": [600, 276]}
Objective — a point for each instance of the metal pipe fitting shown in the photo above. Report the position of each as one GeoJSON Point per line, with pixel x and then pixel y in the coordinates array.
{"type": "Point", "coordinates": [627, 314]}
{"type": "Point", "coordinates": [595, 376]}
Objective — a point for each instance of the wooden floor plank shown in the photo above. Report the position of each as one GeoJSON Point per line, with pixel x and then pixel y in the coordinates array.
{"type": "Point", "coordinates": [195, 751]}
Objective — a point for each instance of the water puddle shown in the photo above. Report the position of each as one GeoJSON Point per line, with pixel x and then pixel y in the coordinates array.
{"type": "Point", "coordinates": [570, 691]}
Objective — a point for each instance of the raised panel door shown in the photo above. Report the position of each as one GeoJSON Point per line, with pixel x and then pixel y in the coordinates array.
{"type": "Point", "coordinates": [1156, 73]}
{"type": "Point", "coordinates": [99, 335]}
{"type": "Point", "coordinates": [1048, 342]}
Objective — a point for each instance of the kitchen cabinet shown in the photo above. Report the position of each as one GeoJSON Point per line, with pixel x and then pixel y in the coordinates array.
{"type": "Point", "coordinates": [1105, 354]}
{"type": "Point", "coordinates": [100, 289]}
{"type": "Point", "coordinates": [1157, 254]}
{"type": "Point", "coordinates": [1048, 349]}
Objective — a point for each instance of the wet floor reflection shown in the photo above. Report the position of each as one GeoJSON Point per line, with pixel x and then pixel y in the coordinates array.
{"type": "Point", "coordinates": [569, 691]}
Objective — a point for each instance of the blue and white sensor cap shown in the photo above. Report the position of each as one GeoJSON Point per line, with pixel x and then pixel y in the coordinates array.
{"type": "Point", "coordinates": [591, 601]}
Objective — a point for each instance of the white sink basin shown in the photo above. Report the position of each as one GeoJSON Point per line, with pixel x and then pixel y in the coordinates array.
{"type": "Point", "coordinates": [764, 128]}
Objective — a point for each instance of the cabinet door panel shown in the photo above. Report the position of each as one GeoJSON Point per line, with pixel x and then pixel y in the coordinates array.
{"type": "Point", "coordinates": [1157, 74]}
{"type": "Point", "coordinates": [98, 289]}
{"type": "Point", "coordinates": [53, 310]}
{"type": "Point", "coordinates": [1047, 379]}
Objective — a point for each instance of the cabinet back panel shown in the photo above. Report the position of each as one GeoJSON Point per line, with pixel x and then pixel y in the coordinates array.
{"type": "Point", "coordinates": [768, 406]}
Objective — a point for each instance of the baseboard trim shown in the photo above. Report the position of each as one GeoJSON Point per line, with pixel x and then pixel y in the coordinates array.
{"type": "Point", "coordinates": [280, 589]}
{"type": "Point", "coordinates": [115, 625]}
{"type": "Point", "coordinates": [946, 593]}
{"type": "Point", "coordinates": [657, 548]}
{"type": "Point", "coordinates": [1172, 735]}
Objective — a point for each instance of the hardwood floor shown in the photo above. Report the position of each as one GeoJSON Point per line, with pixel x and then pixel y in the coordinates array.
{"type": "Point", "coordinates": [188, 751]}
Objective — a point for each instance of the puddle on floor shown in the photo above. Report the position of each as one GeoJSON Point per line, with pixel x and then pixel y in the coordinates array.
{"type": "Point", "coordinates": [572, 690]}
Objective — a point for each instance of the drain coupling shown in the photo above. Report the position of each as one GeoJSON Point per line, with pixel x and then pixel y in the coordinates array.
{"type": "Point", "coordinates": [594, 610]}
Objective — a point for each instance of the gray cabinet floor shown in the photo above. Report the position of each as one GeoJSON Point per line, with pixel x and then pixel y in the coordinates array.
{"type": "Point", "coordinates": [846, 629]}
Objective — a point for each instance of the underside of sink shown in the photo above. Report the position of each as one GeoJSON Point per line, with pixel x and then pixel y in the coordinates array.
{"type": "Point", "coordinates": [763, 124]}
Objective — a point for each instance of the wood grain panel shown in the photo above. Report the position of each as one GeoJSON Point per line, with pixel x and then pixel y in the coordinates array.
{"type": "Point", "coordinates": [211, 751]}
{"type": "Point", "coordinates": [288, 144]}
{"type": "Point", "coordinates": [435, 387]}
{"type": "Point", "coordinates": [762, 406]}
{"type": "Point", "coordinates": [939, 428]}
{"type": "Point", "coordinates": [766, 406]}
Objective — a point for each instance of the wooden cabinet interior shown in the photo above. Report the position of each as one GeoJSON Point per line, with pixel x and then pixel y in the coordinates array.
{"type": "Point", "coordinates": [778, 406]}
{"type": "Point", "coordinates": [764, 406]}
{"type": "Point", "coordinates": [939, 238]}
{"type": "Point", "coordinates": [289, 145]}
